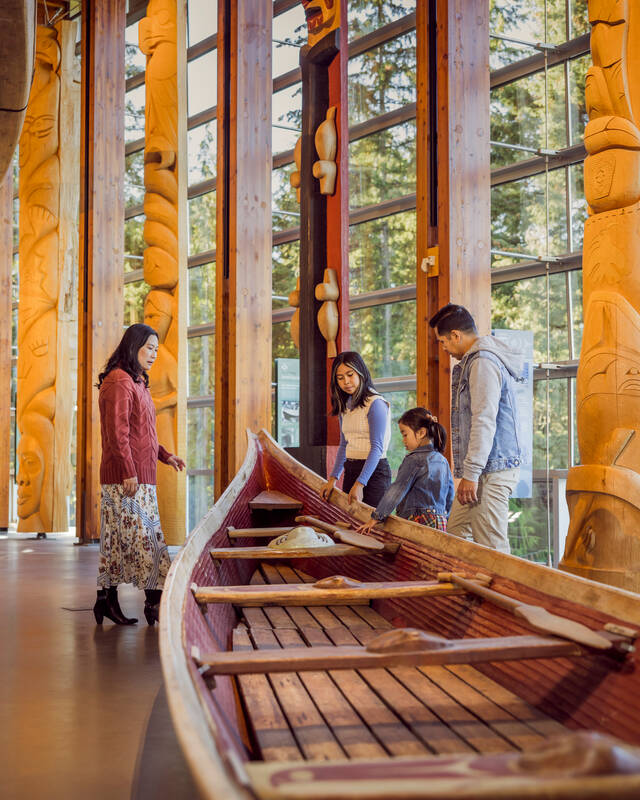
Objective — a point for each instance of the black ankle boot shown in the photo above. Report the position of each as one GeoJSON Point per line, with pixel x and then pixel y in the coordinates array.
{"type": "Point", "coordinates": [107, 605]}
{"type": "Point", "coordinates": [152, 605]}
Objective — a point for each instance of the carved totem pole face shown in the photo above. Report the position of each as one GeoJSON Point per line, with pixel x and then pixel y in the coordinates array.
{"type": "Point", "coordinates": [322, 16]}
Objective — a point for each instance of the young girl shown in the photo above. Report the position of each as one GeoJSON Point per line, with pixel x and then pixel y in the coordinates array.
{"type": "Point", "coordinates": [364, 431]}
{"type": "Point", "coordinates": [423, 490]}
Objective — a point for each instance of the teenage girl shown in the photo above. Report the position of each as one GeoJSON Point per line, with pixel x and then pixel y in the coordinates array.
{"type": "Point", "coordinates": [365, 431]}
{"type": "Point", "coordinates": [423, 491]}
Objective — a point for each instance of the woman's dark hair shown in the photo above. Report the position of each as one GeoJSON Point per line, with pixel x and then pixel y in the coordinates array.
{"type": "Point", "coordinates": [416, 418]}
{"type": "Point", "coordinates": [125, 356]}
{"type": "Point", "coordinates": [363, 392]}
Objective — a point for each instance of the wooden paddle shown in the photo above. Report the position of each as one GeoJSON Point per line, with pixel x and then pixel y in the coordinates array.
{"type": "Point", "coordinates": [536, 616]}
{"type": "Point", "coordinates": [350, 537]}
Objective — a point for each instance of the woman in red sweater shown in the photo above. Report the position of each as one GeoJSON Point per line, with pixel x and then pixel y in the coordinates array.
{"type": "Point", "coordinates": [132, 546]}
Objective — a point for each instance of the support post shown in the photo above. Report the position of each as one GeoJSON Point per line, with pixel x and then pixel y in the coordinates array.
{"type": "Point", "coordinates": [243, 232]}
{"type": "Point", "coordinates": [163, 40]}
{"type": "Point", "coordinates": [453, 180]}
{"type": "Point", "coordinates": [101, 236]}
{"type": "Point", "coordinates": [6, 315]}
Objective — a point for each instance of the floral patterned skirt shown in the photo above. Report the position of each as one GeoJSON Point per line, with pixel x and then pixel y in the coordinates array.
{"type": "Point", "coordinates": [132, 546]}
{"type": "Point", "coordinates": [431, 519]}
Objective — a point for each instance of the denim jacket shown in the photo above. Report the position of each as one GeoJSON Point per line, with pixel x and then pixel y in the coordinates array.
{"type": "Point", "coordinates": [487, 440]}
{"type": "Point", "coordinates": [424, 483]}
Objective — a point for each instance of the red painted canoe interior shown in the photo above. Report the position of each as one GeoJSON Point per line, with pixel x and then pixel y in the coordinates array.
{"type": "Point", "coordinates": [592, 692]}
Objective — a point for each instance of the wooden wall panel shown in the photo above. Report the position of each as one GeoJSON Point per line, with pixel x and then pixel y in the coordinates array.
{"type": "Point", "coordinates": [6, 263]}
{"type": "Point", "coordinates": [101, 236]}
{"type": "Point", "coordinates": [243, 231]}
{"type": "Point", "coordinates": [453, 103]}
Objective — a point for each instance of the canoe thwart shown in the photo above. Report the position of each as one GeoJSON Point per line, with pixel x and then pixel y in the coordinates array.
{"type": "Point", "coordinates": [451, 651]}
{"type": "Point", "coordinates": [264, 553]}
{"type": "Point", "coordinates": [272, 500]}
{"type": "Point", "coordinates": [401, 639]}
{"type": "Point", "coordinates": [536, 616]}
{"type": "Point", "coordinates": [256, 533]}
{"type": "Point", "coordinates": [335, 590]}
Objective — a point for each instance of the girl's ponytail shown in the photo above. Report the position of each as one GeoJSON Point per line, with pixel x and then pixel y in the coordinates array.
{"type": "Point", "coordinates": [416, 418]}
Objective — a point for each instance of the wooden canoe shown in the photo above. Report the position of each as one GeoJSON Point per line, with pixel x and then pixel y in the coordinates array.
{"type": "Point", "coordinates": [432, 667]}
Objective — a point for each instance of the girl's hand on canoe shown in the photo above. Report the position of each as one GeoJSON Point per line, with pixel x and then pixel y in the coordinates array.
{"type": "Point", "coordinates": [368, 526]}
{"type": "Point", "coordinates": [356, 492]}
{"type": "Point", "coordinates": [328, 487]}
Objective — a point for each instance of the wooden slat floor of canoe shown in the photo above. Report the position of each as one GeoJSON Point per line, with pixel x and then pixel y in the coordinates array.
{"type": "Point", "coordinates": [370, 712]}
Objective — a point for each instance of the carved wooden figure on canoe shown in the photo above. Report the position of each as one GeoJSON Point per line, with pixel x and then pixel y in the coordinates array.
{"type": "Point", "coordinates": [604, 492]}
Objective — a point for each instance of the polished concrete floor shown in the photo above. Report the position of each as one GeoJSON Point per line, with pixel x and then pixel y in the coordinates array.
{"type": "Point", "coordinates": [82, 709]}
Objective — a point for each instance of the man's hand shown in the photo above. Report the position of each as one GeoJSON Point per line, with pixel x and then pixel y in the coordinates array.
{"type": "Point", "coordinates": [367, 527]}
{"type": "Point", "coordinates": [467, 492]}
{"type": "Point", "coordinates": [356, 492]}
{"type": "Point", "coordinates": [176, 462]}
{"type": "Point", "coordinates": [328, 488]}
{"type": "Point", "coordinates": [130, 486]}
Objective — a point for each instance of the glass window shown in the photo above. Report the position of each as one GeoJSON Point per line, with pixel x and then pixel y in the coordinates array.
{"type": "Point", "coordinates": [577, 102]}
{"type": "Point", "coordinates": [530, 525]}
{"type": "Point", "coordinates": [286, 268]}
{"type": "Point", "coordinates": [382, 79]}
{"type": "Point", "coordinates": [202, 223]}
{"type": "Point", "coordinates": [578, 18]}
{"type": "Point", "coordinates": [135, 60]}
{"type": "Point", "coordinates": [550, 405]}
{"type": "Point", "coordinates": [134, 178]}
{"type": "Point", "coordinates": [202, 294]}
{"type": "Point", "coordinates": [134, 243]}
{"type": "Point", "coordinates": [287, 118]}
{"type": "Point", "coordinates": [289, 34]}
{"type": "Point", "coordinates": [200, 494]}
{"type": "Point", "coordinates": [382, 253]}
{"type": "Point", "coordinates": [202, 77]}
{"type": "Point", "coordinates": [574, 288]}
{"type": "Point", "coordinates": [578, 205]}
{"type": "Point", "coordinates": [286, 209]}
{"type": "Point", "coordinates": [134, 114]}
{"type": "Point", "coordinates": [385, 336]}
{"type": "Point", "coordinates": [399, 403]}
{"type": "Point", "coordinates": [16, 221]}
{"type": "Point", "coordinates": [383, 166]}
{"type": "Point", "coordinates": [366, 16]}
{"type": "Point", "coordinates": [15, 278]}
{"type": "Point", "coordinates": [524, 305]}
{"type": "Point", "coordinates": [200, 438]}
{"type": "Point", "coordinates": [202, 19]}
{"type": "Point", "coordinates": [134, 295]}
{"type": "Point", "coordinates": [201, 365]}
{"type": "Point", "coordinates": [202, 152]}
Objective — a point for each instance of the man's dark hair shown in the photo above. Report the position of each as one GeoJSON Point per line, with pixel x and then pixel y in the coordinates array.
{"type": "Point", "coordinates": [453, 318]}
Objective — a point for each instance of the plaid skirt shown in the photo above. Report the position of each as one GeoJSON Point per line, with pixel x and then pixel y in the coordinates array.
{"type": "Point", "coordinates": [430, 519]}
{"type": "Point", "coordinates": [132, 546]}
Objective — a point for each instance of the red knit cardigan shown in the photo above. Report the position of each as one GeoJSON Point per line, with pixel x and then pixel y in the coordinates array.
{"type": "Point", "coordinates": [128, 425]}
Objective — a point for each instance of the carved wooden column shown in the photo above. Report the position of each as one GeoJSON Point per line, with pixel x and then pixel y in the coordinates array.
{"type": "Point", "coordinates": [603, 493]}
{"type": "Point", "coordinates": [243, 231]}
{"type": "Point", "coordinates": [165, 257]}
{"type": "Point", "coordinates": [453, 180]}
{"type": "Point", "coordinates": [324, 225]}
{"type": "Point", "coordinates": [101, 236]}
{"type": "Point", "coordinates": [6, 264]}
{"type": "Point", "coordinates": [48, 285]}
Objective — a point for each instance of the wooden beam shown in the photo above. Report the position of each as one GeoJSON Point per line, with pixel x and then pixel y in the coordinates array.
{"type": "Point", "coordinates": [446, 651]}
{"type": "Point", "coordinates": [274, 501]}
{"type": "Point", "coordinates": [6, 315]}
{"type": "Point", "coordinates": [243, 232]}
{"type": "Point", "coordinates": [309, 594]}
{"type": "Point", "coordinates": [101, 236]}
{"type": "Point", "coordinates": [453, 189]}
{"type": "Point", "coordinates": [270, 553]}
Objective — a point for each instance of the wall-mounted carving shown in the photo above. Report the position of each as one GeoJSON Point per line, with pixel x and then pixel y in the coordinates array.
{"type": "Point", "coordinates": [326, 141]}
{"type": "Point", "coordinates": [323, 16]}
{"type": "Point", "coordinates": [603, 493]}
{"type": "Point", "coordinates": [158, 41]}
{"type": "Point", "coordinates": [294, 302]}
{"type": "Point", "coordinates": [294, 178]}
{"type": "Point", "coordinates": [328, 317]}
{"type": "Point", "coordinates": [48, 283]}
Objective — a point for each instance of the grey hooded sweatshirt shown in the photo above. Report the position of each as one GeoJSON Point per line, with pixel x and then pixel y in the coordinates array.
{"type": "Point", "coordinates": [484, 397]}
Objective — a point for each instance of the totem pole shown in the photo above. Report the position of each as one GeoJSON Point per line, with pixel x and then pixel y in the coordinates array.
{"type": "Point", "coordinates": [603, 493]}
{"type": "Point", "coordinates": [321, 182]}
{"type": "Point", "coordinates": [48, 285]}
{"type": "Point", "coordinates": [158, 41]}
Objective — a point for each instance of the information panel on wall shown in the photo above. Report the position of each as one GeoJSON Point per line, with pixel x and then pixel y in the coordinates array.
{"type": "Point", "coordinates": [288, 402]}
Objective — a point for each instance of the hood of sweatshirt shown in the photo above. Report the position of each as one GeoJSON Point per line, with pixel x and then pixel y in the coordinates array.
{"type": "Point", "coordinates": [513, 361]}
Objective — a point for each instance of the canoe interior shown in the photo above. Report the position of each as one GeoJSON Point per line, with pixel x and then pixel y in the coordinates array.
{"type": "Point", "coordinates": [592, 692]}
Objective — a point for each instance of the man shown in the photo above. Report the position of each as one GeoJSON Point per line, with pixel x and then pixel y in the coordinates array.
{"type": "Point", "coordinates": [484, 427]}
